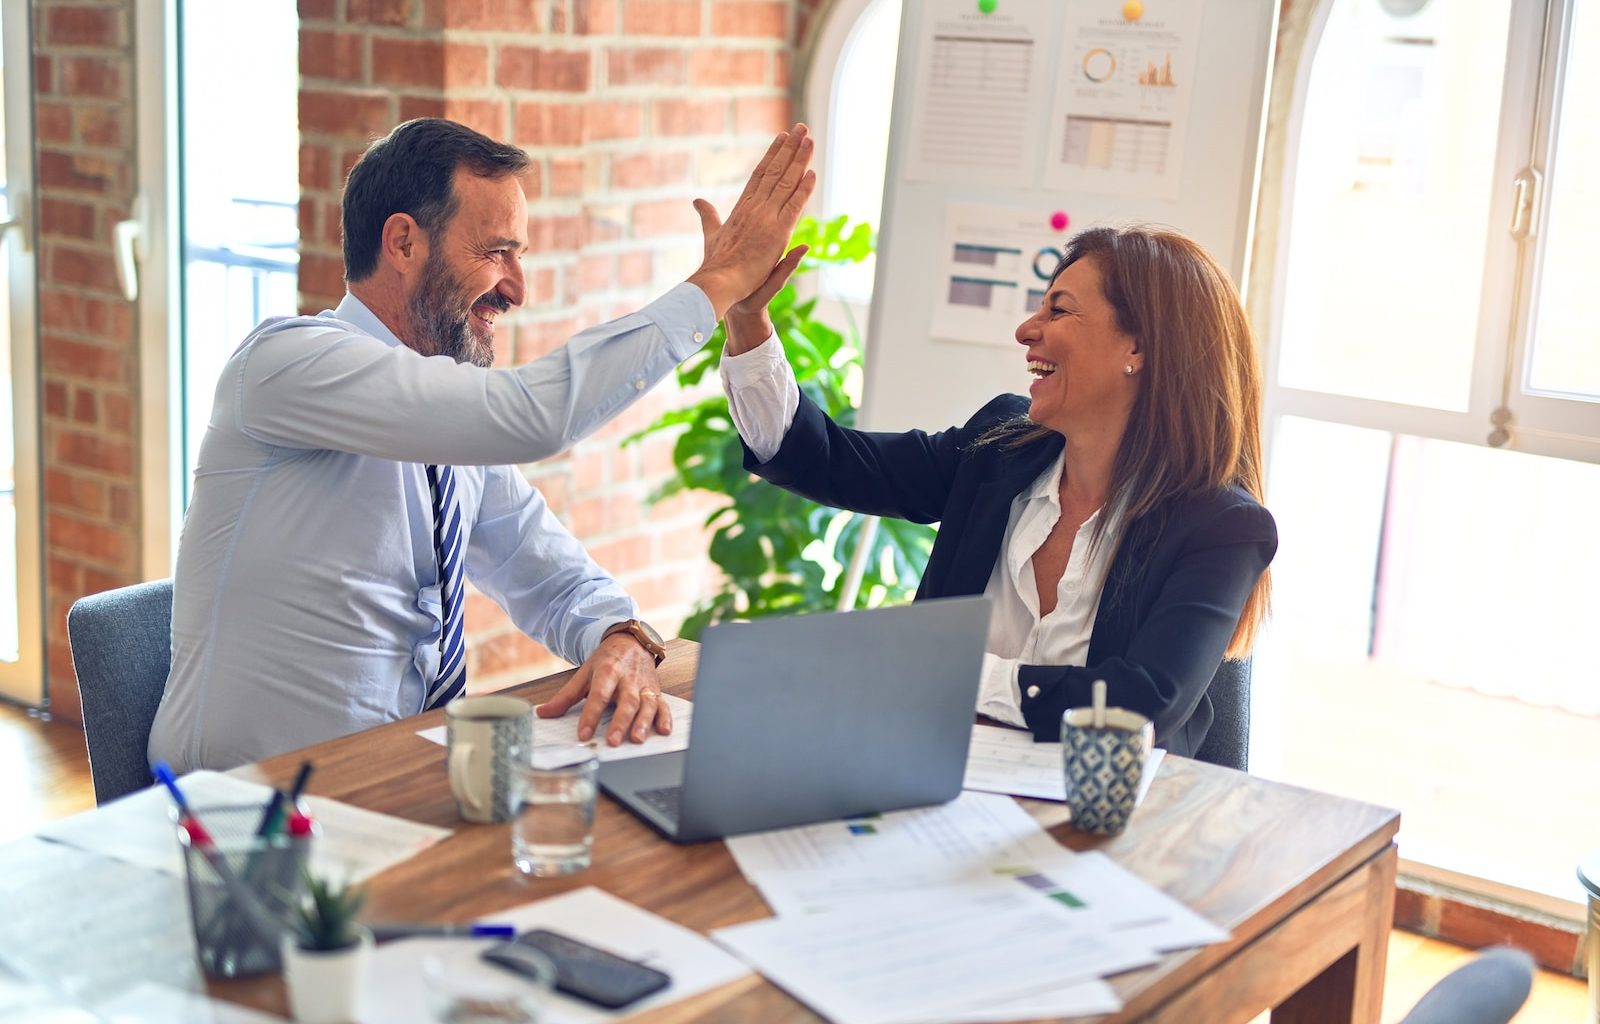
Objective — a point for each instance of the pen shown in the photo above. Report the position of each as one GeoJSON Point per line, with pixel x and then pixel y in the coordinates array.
{"type": "Point", "coordinates": [384, 932]}
{"type": "Point", "coordinates": [163, 773]}
{"type": "Point", "coordinates": [299, 822]}
{"type": "Point", "coordinates": [269, 817]}
{"type": "Point", "coordinates": [300, 778]}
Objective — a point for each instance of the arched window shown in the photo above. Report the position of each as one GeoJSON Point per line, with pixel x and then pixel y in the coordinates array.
{"type": "Point", "coordinates": [849, 88]}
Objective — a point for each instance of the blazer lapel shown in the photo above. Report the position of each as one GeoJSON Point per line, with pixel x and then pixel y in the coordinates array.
{"type": "Point", "coordinates": [985, 527]}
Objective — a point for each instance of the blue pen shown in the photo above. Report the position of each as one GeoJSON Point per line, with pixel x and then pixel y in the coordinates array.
{"type": "Point", "coordinates": [163, 773]}
{"type": "Point", "coordinates": [384, 932]}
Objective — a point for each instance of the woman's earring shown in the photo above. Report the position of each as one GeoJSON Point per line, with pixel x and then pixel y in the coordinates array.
{"type": "Point", "coordinates": [1128, 369]}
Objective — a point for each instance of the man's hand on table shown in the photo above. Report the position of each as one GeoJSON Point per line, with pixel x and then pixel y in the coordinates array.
{"type": "Point", "coordinates": [619, 671]}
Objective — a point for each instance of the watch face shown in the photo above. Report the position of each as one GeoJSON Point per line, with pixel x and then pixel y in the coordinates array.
{"type": "Point", "coordinates": [650, 631]}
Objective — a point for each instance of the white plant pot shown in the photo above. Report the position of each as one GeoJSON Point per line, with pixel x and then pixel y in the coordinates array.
{"type": "Point", "coordinates": [326, 986]}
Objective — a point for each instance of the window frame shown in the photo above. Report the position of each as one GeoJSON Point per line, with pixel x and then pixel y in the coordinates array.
{"type": "Point", "coordinates": [160, 364]}
{"type": "Point", "coordinates": [24, 680]}
{"type": "Point", "coordinates": [1565, 427]}
{"type": "Point", "coordinates": [1537, 425]}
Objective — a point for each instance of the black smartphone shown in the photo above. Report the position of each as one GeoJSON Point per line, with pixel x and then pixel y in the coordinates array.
{"type": "Point", "coordinates": [583, 971]}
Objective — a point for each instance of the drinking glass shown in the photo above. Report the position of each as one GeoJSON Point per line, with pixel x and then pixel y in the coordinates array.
{"type": "Point", "coordinates": [552, 832]}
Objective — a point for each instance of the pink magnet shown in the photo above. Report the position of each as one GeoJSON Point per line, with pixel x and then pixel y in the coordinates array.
{"type": "Point", "coordinates": [1059, 220]}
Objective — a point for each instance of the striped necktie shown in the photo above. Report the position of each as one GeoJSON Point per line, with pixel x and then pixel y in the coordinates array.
{"type": "Point", "coordinates": [452, 676]}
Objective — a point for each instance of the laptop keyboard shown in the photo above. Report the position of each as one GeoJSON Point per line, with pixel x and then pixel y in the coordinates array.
{"type": "Point", "coordinates": [666, 799]}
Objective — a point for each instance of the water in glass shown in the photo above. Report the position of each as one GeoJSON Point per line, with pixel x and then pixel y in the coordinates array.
{"type": "Point", "coordinates": [554, 829]}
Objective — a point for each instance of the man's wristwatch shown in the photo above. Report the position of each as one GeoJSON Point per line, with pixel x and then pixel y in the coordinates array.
{"type": "Point", "coordinates": [641, 631]}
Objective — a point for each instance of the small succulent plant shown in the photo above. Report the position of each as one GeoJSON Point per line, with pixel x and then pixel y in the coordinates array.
{"type": "Point", "coordinates": [328, 915]}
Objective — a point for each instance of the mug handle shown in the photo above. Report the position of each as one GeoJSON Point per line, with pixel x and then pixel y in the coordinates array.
{"type": "Point", "coordinates": [460, 769]}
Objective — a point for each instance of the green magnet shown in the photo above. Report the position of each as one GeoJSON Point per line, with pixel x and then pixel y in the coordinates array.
{"type": "Point", "coordinates": [988, 6]}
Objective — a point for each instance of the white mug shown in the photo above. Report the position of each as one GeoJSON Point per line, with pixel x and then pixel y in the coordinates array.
{"type": "Point", "coordinates": [483, 736]}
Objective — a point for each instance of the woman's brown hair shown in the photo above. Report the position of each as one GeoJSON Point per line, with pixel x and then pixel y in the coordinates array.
{"type": "Point", "coordinates": [1195, 425]}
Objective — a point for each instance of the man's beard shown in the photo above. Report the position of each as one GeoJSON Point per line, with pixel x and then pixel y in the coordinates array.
{"type": "Point", "coordinates": [436, 314]}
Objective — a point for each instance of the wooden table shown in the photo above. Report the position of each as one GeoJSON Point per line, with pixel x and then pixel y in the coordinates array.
{"type": "Point", "coordinates": [1303, 880]}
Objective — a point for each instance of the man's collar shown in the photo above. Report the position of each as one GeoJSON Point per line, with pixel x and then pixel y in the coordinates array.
{"type": "Point", "coordinates": [353, 311]}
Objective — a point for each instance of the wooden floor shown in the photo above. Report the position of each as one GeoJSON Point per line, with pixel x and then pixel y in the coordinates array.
{"type": "Point", "coordinates": [47, 776]}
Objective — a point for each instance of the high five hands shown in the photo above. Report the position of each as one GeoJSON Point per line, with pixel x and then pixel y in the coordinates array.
{"type": "Point", "coordinates": [744, 255]}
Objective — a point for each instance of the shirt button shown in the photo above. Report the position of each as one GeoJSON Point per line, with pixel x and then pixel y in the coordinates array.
{"type": "Point", "coordinates": [1033, 691]}
{"type": "Point", "coordinates": [638, 385]}
{"type": "Point", "coordinates": [699, 337]}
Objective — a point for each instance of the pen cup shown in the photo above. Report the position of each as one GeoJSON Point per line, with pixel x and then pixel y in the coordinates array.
{"type": "Point", "coordinates": [244, 890]}
{"type": "Point", "coordinates": [1103, 766]}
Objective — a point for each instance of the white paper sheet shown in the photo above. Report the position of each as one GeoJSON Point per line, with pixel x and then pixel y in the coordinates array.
{"type": "Point", "coordinates": [396, 991]}
{"type": "Point", "coordinates": [915, 956]}
{"type": "Point", "coordinates": [354, 843]}
{"type": "Point", "coordinates": [87, 927]}
{"type": "Point", "coordinates": [979, 78]}
{"type": "Point", "coordinates": [1094, 885]}
{"type": "Point", "coordinates": [1009, 761]}
{"type": "Point", "coordinates": [157, 1004]}
{"type": "Point", "coordinates": [825, 866]}
{"type": "Point", "coordinates": [1121, 111]}
{"type": "Point", "coordinates": [550, 732]}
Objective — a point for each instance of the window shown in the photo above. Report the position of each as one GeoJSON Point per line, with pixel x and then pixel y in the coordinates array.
{"type": "Point", "coordinates": [849, 92]}
{"type": "Point", "coordinates": [21, 601]}
{"type": "Point", "coordinates": [219, 221]}
{"type": "Point", "coordinates": [1434, 431]}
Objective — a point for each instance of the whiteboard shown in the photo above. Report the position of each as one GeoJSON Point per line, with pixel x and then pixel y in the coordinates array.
{"type": "Point", "coordinates": [920, 371]}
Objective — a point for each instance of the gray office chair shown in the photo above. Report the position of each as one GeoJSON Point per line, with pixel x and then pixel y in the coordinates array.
{"type": "Point", "coordinates": [1228, 741]}
{"type": "Point", "coordinates": [121, 650]}
{"type": "Point", "coordinates": [1488, 990]}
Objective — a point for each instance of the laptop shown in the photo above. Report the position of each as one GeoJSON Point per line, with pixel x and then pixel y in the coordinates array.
{"type": "Point", "coordinates": [817, 717]}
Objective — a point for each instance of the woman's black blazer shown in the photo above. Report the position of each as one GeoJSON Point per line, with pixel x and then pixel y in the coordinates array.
{"type": "Point", "coordinates": [1172, 596]}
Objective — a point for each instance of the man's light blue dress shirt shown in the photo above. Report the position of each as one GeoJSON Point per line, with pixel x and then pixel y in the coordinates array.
{"type": "Point", "coordinates": [306, 600]}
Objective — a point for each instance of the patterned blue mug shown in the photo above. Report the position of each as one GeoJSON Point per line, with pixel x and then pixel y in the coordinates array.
{"type": "Point", "coordinates": [482, 737]}
{"type": "Point", "coordinates": [1104, 766]}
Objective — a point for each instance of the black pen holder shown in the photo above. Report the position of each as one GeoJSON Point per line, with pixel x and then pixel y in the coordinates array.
{"type": "Point", "coordinates": [245, 890]}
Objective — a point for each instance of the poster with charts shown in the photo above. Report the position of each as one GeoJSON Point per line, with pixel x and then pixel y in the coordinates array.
{"type": "Point", "coordinates": [978, 78]}
{"type": "Point", "coordinates": [1122, 97]}
{"type": "Point", "coordinates": [996, 263]}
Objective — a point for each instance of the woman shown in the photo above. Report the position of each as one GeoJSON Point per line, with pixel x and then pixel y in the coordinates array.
{"type": "Point", "coordinates": [1113, 516]}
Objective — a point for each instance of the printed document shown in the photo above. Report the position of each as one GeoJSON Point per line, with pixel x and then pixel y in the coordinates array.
{"type": "Point", "coordinates": [1009, 761]}
{"type": "Point", "coordinates": [353, 844]}
{"type": "Point", "coordinates": [823, 866]}
{"type": "Point", "coordinates": [552, 732]}
{"type": "Point", "coordinates": [916, 956]}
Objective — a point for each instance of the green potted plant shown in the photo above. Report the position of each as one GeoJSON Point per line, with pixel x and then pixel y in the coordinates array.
{"type": "Point", "coordinates": [779, 553]}
{"type": "Point", "coordinates": [325, 954]}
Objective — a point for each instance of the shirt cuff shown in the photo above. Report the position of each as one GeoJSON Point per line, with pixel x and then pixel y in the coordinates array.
{"type": "Point", "coordinates": [762, 396]}
{"type": "Point", "coordinates": [685, 316]}
{"type": "Point", "coordinates": [756, 365]}
{"type": "Point", "coordinates": [998, 695]}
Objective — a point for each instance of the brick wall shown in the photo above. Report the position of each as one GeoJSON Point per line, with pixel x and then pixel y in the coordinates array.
{"type": "Point", "coordinates": [630, 109]}
{"type": "Point", "coordinates": [88, 372]}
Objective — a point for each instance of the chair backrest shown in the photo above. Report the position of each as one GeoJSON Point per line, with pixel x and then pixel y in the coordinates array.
{"type": "Point", "coordinates": [121, 650]}
{"type": "Point", "coordinates": [1228, 741]}
{"type": "Point", "coordinates": [1490, 989]}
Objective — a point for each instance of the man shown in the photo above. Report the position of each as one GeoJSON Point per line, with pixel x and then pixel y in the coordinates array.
{"type": "Point", "coordinates": [359, 463]}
